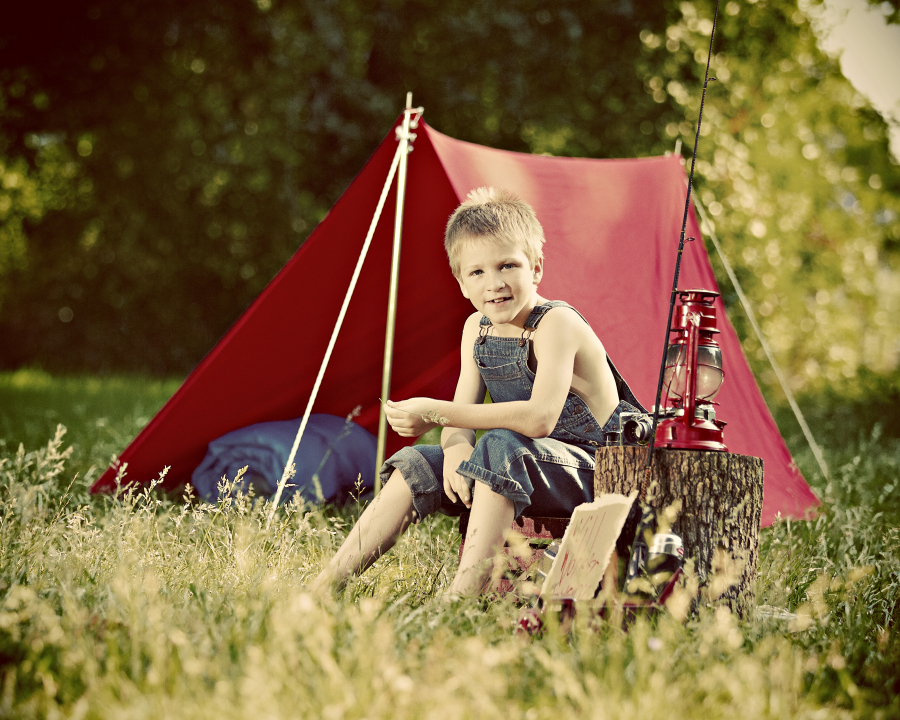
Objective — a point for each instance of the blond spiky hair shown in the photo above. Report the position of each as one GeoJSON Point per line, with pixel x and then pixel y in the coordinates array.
{"type": "Point", "coordinates": [494, 215]}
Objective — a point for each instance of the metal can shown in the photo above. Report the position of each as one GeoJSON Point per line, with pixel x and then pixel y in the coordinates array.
{"type": "Point", "coordinates": [665, 558]}
{"type": "Point", "coordinates": [545, 561]}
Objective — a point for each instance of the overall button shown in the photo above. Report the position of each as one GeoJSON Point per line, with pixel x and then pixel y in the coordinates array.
{"type": "Point", "coordinates": [578, 409]}
{"type": "Point", "coordinates": [590, 428]}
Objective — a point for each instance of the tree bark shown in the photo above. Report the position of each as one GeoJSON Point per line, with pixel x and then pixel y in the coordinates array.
{"type": "Point", "coordinates": [720, 497]}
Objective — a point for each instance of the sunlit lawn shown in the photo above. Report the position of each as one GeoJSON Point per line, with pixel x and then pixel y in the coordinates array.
{"type": "Point", "coordinates": [102, 414]}
{"type": "Point", "coordinates": [147, 607]}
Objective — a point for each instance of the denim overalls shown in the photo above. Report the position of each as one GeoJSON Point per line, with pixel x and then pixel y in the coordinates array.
{"type": "Point", "coordinates": [546, 477]}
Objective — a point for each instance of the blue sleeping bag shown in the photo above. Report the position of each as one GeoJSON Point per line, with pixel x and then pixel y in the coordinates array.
{"type": "Point", "coordinates": [333, 453]}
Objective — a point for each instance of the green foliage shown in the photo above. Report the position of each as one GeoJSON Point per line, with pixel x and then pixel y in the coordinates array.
{"type": "Point", "coordinates": [795, 170]}
{"type": "Point", "coordinates": [890, 8]}
{"type": "Point", "coordinates": [841, 571]}
{"type": "Point", "coordinates": [209, 138]}
{"type": "Point", "coordinates": [837, 412]}
{"type": "Point", "coordinates": [161, 161]}
{"type": "Point", "coordinates": [104, 414]}
{"type": "Point", "coordinates": [154, 607]}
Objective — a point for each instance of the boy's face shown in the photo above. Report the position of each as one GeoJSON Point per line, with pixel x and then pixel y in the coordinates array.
{"type": "Point", "coordinates": [499, 279]}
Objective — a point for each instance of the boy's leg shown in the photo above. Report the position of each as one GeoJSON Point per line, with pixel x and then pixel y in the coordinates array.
{"type": "Point", "coordinates": [376, 531]}
{"type": "Point", "coordinates": [492, 515]}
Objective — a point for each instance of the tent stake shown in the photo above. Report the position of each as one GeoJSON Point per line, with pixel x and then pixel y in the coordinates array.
{"type": "Point", "coordinates": [411, 117]}
{"type": "Point", "coordinates": [288, 468]}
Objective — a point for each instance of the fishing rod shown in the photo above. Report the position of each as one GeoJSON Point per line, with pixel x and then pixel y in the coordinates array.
{"type": "Point", "coordinates": [639, 548]}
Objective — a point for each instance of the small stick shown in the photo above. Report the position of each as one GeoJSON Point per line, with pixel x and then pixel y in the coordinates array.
{"type": "Point", "coordinates": [432, 416]}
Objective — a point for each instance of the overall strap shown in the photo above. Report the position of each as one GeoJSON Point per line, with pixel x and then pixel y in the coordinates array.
{"type": "Point", "coordinates": [622, 387]}
{"type": "Point", "coordinates": [484, 328]}
{"type": "Point", "coordinates": [624, 391]}
{"type": "Point", "coordinates": [539, 311]}
{"type": "Point", "coordinates": [536, 315]}
{"type": "Point", "coordinates": [531, 323]}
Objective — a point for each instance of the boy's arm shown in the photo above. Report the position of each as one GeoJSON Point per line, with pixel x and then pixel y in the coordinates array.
{"type": "Point", "coordinates": [555, 344]}
{"type": "Point", "coordinates": [470, 390]}
{"type": "Point", "coordinates": [470, 387]}
{"type": "Point", "coordinates": [458, 442]}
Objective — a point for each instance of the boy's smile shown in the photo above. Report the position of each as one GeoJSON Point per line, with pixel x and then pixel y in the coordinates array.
{"type": "Point", "coordinates": [499, 280]}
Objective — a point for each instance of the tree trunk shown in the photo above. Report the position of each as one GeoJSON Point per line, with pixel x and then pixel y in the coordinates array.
{"type": "Point", "coordinates": [721, 502]}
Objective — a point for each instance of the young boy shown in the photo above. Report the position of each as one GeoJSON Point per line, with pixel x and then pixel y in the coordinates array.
{"type": "Point", "coordinates": [551, 384]}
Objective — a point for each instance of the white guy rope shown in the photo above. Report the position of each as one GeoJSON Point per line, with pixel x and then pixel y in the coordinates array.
{"type": "Point", "coordinates": [814, 446]}
{"type": "Point", "coordinates": [334, 334]}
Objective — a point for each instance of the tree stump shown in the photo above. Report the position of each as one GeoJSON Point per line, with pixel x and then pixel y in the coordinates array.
{"type": "Point", "coordinates": [721, 502]}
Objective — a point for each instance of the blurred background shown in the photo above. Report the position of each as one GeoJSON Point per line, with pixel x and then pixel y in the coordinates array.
{"type": "Point", "coordinates": [160, 161]}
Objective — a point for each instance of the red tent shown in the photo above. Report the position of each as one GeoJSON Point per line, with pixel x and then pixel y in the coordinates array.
{"type": "Point", "coordinates": [612, 230]}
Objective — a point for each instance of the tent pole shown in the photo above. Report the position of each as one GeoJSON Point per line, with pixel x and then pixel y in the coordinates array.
{"type": "Point", "coordinates": [410, 120]}
{"type": "Point", "coordinates": [288, 468]}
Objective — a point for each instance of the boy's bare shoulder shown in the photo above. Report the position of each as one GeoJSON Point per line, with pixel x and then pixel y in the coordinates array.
{"type": "Point", "coordinates": [473, 319]}
{"type": "Point", "coordinates": [566, 317]}
{"type": "Point", "coordinates": [472, 324]}
{"type": "Point", "coordinates": [568, 321]}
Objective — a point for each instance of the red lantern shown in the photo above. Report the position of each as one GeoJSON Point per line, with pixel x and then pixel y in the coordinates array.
{"type": "Point", "coordinates": [692, 377]}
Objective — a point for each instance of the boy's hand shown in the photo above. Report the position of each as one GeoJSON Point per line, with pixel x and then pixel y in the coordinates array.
{"type": "Point", "coordinates": [455, 485]}
{"type": "Point", "coordinates": [413, 417]}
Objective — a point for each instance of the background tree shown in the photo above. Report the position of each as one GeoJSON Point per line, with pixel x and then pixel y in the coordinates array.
{"type": "Point", "coordinates": [162, 161]}
{"type": "Point", "coordinates": [796, 172]}
{"type": "Point", "coordinates": [203, 141]}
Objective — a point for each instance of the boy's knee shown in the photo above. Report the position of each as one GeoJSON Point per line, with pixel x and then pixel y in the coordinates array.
{"type": "Point", "coordinates": [485, 490]}
{"type": "Point", "coordinates": [398, 484]}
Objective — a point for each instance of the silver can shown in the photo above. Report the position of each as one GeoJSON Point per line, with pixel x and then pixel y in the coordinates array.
{"type": "Point", "coordinates": [665, 558]}
{"type": "Point", "coordinates": [545, 561]}
{"type": "Point", "coordinates": [667, 544]}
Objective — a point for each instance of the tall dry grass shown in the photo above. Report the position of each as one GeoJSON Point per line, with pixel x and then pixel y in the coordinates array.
{"type": "Point", "coordinates": [140, 605]}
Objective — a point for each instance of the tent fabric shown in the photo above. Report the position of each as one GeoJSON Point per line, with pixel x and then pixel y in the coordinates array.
{"type": "Point", "coordinates": [612, 229]}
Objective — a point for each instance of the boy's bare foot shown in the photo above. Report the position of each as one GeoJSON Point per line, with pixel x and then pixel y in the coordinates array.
{"type": "Point", "coordinates": [450, 597]}
{"type": "Point", "coordinates": [326, 585]}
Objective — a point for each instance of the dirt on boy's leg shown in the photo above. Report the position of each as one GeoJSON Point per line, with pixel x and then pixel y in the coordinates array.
{"type": "Point", "coordinates": [492, 515]}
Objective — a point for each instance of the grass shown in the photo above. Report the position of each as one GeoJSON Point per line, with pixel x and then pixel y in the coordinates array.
{"type": "Point", "coordinates": [102, 414]}
{"type": "Point", "coordinates": [145, 606]}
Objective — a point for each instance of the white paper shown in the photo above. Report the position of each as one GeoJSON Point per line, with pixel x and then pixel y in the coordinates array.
{"type": "Point", "coordinates": [587, 547]}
